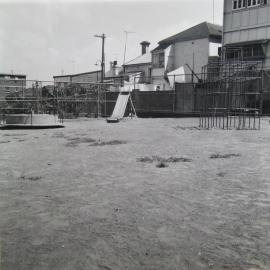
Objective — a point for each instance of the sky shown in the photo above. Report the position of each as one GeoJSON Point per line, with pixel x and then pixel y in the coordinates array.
{"type": "Point", "coordinates": [43, 38]}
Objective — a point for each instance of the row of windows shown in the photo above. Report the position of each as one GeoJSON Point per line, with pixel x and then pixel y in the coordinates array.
{"type": "Point", "coordinates": [246, 53]}
{"type": "Point", "coordinates": [239, 4]}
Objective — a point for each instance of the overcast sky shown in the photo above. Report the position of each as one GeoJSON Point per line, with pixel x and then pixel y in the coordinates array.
{"type": "Point", "coordinates": [44, 38]}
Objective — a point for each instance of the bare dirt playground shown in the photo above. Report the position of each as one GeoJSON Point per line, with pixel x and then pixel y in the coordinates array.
{"type": "Point", "coordinates": [150, 194]}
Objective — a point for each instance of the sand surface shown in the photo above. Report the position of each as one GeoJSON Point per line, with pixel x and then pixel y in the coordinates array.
{"type": "Point", "coordinates": [91, 196]}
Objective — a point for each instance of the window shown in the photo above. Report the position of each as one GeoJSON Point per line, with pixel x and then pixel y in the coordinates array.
{"type": "Point", "coordinates": [239, 4]}
{"type": "Point", "coordinates": [158, 60]}
{"type": "Point", "coordinates": [248, 52]}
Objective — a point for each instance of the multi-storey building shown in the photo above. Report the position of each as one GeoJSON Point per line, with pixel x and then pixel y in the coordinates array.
{"type": "Point", "coordinates": [190, 48]}
{"type": "Point", "coordinates": [246, 30]}
{"type": "Point", "coordinates": [11, 83]}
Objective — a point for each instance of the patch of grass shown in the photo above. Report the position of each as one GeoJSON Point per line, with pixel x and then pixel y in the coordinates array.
{"type": "Point", "coordinates": [162, 165]}
{"type": "Point", "coordinates": [101, 143]}
{"type": "Point", "coordinates": [221, 174]}
{"type": "Point", "coordinates": [58, 135]}
{"type": "Point", "coordinates": [163, 160]}
{"type": "Point", "coordinates": [16, 135]}
{"type": "Point", "coordinates": [176, 160]}
{"type": "Point", "coordinates": [145, 160]}
{"type": "Point", "coordinates": [86, 140]}
{"type": "Point", "coordinates": [30, 178]}
{"type": "Point", "coordinates": [73, 142]}
{"type": "Point", "coordinates": [216, 156]}
{"type": "Point", "coordinates": [187, 128]}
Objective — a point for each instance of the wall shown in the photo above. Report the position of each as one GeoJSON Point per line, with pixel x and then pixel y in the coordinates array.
{"type": "Point", "coordinates": [246, 24]}
{"type": "Point", "coordinates": [183, 53]}
{"type": "Point", "coordinates": [184, 98]}
{"type": "Point", "coordinates": [62, 81]}
{"type": "Point", "coordinates": [158, 79]}
{"type": "Point", "coordinates": [87, 77]}
{"type": "Point", "coordinates": [145, 68]}
{"type": "Point", "coordinates": [84, 77]}
{"type": "Point", "coordinates": [10, 86]}
{"type": "Point", "coordinates": [153, 103]}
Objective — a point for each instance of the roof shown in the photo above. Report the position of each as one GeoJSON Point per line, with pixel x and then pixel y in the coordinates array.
{"type": "Point", "coordinates": [140, 60]}
{"type": "Point", "coordinates": [161, 47]}
{"type": "Point", "coordinates": [202, 30]}
{"type": "Point", "coordinates": [12, 75]}
{"type": "Point", "coordinates": [250, 42]}
{"type": "Point", "coordinates": [77, 74]}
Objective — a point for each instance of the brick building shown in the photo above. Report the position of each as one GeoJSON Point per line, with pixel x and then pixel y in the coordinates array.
{"type": "Point", "coordinates": [11, 83]}
{"type": "Point", "coordinates": [141, 65]}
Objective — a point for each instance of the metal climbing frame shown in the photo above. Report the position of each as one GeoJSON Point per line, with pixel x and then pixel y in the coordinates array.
{"type": "Point", "coordinates": [232, 95]}
{"type": "Point", "coordinates": [65, 99]}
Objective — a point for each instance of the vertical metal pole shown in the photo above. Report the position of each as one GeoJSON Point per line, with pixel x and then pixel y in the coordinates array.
{"type": "Point", "coordinates": [98, 105]}
{"type": "Point", "coordinates": [103, 59]}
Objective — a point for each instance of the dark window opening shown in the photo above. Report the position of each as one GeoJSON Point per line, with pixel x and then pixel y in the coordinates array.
{"type": "Point", "coordinates": [158, 60]}
{"type": "Point", "coordinates": [239, 4]}
{"type": "Point", "coordinates": [249, 52]}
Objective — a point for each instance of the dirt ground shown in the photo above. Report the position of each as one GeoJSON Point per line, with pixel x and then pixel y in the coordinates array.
{"type": "Point", "coordinates": [141, 194]}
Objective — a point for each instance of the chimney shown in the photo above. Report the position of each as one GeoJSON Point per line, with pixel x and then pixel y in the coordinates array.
{"type": "Point", "coordinates": [145, 47]}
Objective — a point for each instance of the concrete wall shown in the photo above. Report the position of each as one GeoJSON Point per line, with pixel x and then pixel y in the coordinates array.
{"type": "Point", "coordinates": [184, 98]}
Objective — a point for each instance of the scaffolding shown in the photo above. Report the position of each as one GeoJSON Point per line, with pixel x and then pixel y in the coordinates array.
{"type": "Point", "coordinates": [232, 95]}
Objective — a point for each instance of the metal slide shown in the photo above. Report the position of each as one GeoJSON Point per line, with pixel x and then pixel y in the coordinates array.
{"type": "Point", "coordinates": [120, 107]}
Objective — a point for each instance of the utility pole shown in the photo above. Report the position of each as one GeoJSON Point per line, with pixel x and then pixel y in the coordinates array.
{"type": "Point", "coordinates": [102, 56]}
{"type": "Point", "coordinates": [213, 11]}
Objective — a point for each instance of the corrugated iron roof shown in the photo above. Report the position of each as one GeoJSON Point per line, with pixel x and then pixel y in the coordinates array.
{"type": "Point", "coordinates": [77, 74]}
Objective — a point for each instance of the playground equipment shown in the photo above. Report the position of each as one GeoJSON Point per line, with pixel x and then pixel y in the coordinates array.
{"type": "Point", "coordinates": [30, 121]}
{"type": "Point", "coordinates": [120, 107]}
{"type": "Point", "coordinates": [232, 95]}
{"type": "Point", "coordinates": [44, 104]}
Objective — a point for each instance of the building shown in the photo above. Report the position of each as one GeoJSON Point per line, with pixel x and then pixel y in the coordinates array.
{"type": "Point", "coordinates": [11, 83]}
{"type": "Point", "coordinates": [142, 65]}
{"type": "Point", "coordinates": [246, 30]}
{"type": "Point", "coordinates": [64, 80]}
{"type": "Point", "coordinates": [189, 49]}
{"type": "Point", "coordinates": [114, 70]}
